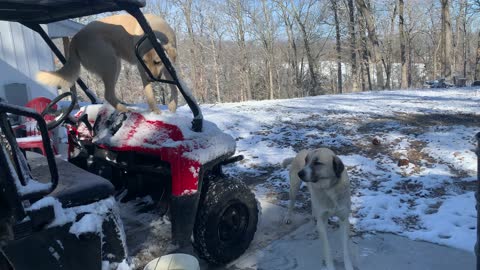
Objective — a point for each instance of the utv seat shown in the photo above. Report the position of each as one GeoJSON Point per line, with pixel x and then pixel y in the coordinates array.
{"type": "Point", "coordinates": [75, 186]}
{"type": "Point", "coordinates": [33, 230]}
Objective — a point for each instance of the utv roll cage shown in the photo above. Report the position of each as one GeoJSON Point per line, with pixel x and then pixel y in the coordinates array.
{"type": "Point", "coordinates": [33, 13]}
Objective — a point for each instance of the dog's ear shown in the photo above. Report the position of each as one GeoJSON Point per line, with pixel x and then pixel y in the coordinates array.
{"type": "Point", "coordinates": [338, 166]}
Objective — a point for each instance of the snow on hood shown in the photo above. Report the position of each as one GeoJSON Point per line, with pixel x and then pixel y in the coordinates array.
{"type": "Point", "coordinates": [141, 129]}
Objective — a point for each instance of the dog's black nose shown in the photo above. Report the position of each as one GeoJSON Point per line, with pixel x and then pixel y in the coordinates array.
{"type": "Point", "coordinates": [301, 174]}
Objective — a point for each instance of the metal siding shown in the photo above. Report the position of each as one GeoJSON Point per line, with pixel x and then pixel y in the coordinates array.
{"type": "Point", "coordinates": [2, 54]}
{"type": "Point", "coordinates": [31, 52]}
{"type": "Point", "coordinates": [20, 48]}
{"type": "Point", "coordinates": [9, 74]}
{"type": "Point", "coordinates": [26, 53]}
{"type": "Point", "coordinates": [45, 55]}
{"type": "Point", "coordinates": [7, 42]}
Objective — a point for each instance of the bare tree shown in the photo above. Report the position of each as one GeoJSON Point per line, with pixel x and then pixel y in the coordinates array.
{"type": "Point", "coordinates": [265, 29]}
{"type": "Point", "coordinates": [446, 40]}
{"type": "Point", "coordinates": [403, 53]}
{"type": "Point", "coordinates": [477, 60]}
{"type": "Point", "coordinates": [187, 6]}
{"type": "Point", "coordinates": [365, 66]}
{"type": "Point", "coordinates": [353, 45]}
{"type": "Point", "coordinates": [292, 50]}
{"type": "Point", "coordinates": [389, 50]}
{"type": "Point", "coordinates": [237, 11]}
{"type": "Point", "coordinates": [238, 50]}
{"type": "Point", "coordinates": [339, 46]}
{"type": "Point", "coordinates": [301, 11]}
{"type": "Point", "coordinates": [367, 14]}
{"type": "Point", "coordinates": [216, 39]}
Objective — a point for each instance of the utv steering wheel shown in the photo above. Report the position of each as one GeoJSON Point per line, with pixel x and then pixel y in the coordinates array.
{"type": "Point", "coordinates": [60, 115]}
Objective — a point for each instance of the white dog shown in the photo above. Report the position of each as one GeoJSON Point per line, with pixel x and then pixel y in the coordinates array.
{"type": "Point", "coordinates": [329, 187]}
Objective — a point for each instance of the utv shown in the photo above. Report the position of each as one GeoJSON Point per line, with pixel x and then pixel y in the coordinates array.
{"type": "Point", "coordinates": [69, 219]}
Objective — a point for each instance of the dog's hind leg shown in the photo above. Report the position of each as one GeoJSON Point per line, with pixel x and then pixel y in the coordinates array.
{"type": "Point", "coordinates": [345, 231]}
{"type": "Point", "coordinates": [295, 183]}
{"type": "Point", "coordinates": [322, 233]}
{"type": "Point", "coordinates": [101, 59]}
{"type": "Point", "coordinates": [110, 80]}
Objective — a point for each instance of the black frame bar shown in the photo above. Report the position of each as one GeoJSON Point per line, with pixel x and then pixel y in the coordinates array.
{"type": "Point", "coordinates": [42, 126]}
{"type": "Point", "coordinates": [147, 70]}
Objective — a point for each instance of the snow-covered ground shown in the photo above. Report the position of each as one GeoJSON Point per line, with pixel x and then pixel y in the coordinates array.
{"type": "Point", "coordinates": [428, 196]}
{"type": "Point", "coordinates": [431, 198]}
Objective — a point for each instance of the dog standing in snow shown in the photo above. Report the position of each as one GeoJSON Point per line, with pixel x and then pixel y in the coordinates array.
{"type": "Point", "coordinates": [100, 46]}
{"type": "Point", "coordinates": [329, 187]}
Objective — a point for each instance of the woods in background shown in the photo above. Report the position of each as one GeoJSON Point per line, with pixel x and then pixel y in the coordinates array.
{"type": "Point", "coordinates": [238, 50]}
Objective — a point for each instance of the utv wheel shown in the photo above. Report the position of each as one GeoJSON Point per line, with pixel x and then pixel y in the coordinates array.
{"type": "Point", "coordinates": [226, 221]}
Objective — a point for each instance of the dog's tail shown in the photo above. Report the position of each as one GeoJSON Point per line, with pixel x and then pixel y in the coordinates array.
{"type": "Point", "coordinates": [66, 76]}
{"type": "Point", "coordinates": [287, 162]}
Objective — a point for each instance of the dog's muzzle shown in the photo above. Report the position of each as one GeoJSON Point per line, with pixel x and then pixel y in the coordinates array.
{"type": "Point", "coordinates": [301, 174]}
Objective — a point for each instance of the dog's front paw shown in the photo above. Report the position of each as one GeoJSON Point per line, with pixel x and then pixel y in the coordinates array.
{"type": "Point", "coordinates": [156, 111]}
{"type": "Point", "coordinates": [123, 109]}
{"type": "Point", "coordinates": [172, 106]}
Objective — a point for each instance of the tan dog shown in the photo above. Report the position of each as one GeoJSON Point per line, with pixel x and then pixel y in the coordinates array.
{"type": "Point", "coordinates": [100, 46]}
{"type": "Point", "coordinates": [329, 187]}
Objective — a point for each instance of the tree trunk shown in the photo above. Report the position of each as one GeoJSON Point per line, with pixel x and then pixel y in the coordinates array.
{"type": "Point", "coordinates": [186, 7]}
{"type": "Point", "coordinates": [310, 60]}
{"type": "Point", "coordinates": [215, 66]}
{"type": "Point", "coordinates": [389, 56]}
{"type": "Point", "coordinates": [339, 47]}
{"type": "Point", "coordinates": [308, 50]}
{"type": "Point", "coordinates": [372, 34]}
{"type": "Point", "coordinates": [464, 37]}
{"type": "Point", "coordinates": [403, 53]}
{"type": "Point", "coordinates": [268, 40]}
{"type": "Point", "coordinates": [292, 45]}
{"type": "Point", "coordinates": [477, 60]}
{"type": "Point", "coordinates": [246, 90]}
{"type": "Point", "coordinates": [366, 76]}
{"type": "Point", "coordinates": [353, 45]}
{"type": "Point", "coordinates": [446, 40]}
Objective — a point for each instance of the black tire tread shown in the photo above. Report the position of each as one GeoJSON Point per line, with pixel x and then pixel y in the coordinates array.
{"type": "Point", "coordinates": [215, 191]}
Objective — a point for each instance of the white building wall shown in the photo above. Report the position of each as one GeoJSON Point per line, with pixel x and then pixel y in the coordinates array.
{"type": "Point", "coordinates": [22, 54]}
{"type": "Point", "coordinates": [9, 75]}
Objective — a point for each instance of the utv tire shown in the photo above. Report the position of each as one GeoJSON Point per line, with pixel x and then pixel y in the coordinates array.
{"type": "Point", "coordinates": [226, 221]}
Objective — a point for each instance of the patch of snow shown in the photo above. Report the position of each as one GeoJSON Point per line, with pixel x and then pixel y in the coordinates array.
{"type": "Point", "coordinates": [54, 253]}
{"type": "Point", "coordinates": [29, 139]}
{"type": "Point", "coordinates": [453, 225]}
{"type": "Point", "coordinates": [124, 265]}
{"type": "Point", "coordinates": [453, 145]}
{"type": "Point", "coordinates": [189, 192]}
{"type": "Point", "coordinates": [90, 223]}
{"type": "Point", "coordinates": [194, 171]}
